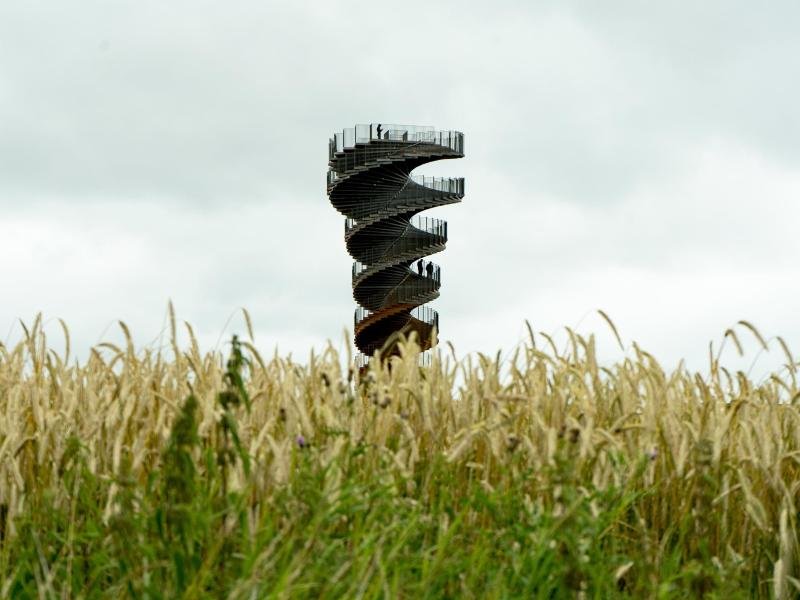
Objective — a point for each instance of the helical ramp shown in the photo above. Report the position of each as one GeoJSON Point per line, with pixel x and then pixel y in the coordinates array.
{"type": "Point", "coordinates": [370, 183]}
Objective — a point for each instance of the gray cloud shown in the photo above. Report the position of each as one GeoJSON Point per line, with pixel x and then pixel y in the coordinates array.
{"type": "Point", "coordinates": [639, 158]}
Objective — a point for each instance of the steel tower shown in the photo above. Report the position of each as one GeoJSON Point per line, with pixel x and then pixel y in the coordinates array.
{"type": "Point", "coordinates": [370, 183]}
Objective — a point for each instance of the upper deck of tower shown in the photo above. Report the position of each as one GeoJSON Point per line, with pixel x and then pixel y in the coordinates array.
{"type": "Point", "coordinates": [369, 145]}
{"type": "Point", "coordinates": [350, 137]}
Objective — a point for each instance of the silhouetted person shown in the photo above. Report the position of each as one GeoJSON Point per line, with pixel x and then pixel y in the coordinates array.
{"type": "Point", "coordinates": [419, 267]}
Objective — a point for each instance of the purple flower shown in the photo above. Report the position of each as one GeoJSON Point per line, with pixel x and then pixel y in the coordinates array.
{"type": "Point", "coordinates": [301, 441]}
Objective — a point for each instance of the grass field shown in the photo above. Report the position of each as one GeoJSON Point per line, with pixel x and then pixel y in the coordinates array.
{"type": "Point", "coordinates": [166, 474]}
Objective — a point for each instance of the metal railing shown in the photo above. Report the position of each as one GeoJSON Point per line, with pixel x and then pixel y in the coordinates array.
{"type": "Point", "coordinates": [365, 133]}
{"type": "Point", "coordinates": [407, 243]}
{"type": "Point", "coordinates": [446, 185]}
{"type": "Point", "coordinates": [404, 245]}
{"type": "Point", "coordinates": [421, 267]}
{"type": "Point", "coordinates": [358, 268]}
{"type": "Point", "coordinates": [361, 360]}
{"type": "Point", "coordinates": [427, 315]}
{"type": "Point", "coordinates": [449, 185]}
{"type": "Point", "coordinates": [422, 313]}
{"type": "Point", "coordinates": [425, 224]}
{"type": "Point", "coordinates": [424, 281]}
{"type": "Point", "coordinates": [427, 269]}
{"type": "Point", "coordinates": [430, 225]}
{"type": "Point", "coordinates": [361, 314]}
{"type": "Point", "coordinates": [425, 359]}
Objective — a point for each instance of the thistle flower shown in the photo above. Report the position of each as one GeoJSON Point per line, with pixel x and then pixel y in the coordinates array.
{"type": "Point", "coordinates": [512, 441]}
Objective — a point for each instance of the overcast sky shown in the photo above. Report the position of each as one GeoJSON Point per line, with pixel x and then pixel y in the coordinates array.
{"type": "Point", "coordinates": [641, 158]}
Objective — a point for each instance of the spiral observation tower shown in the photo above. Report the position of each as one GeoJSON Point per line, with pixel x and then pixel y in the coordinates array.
{"type": "Point", "coordinates": [370, 183]}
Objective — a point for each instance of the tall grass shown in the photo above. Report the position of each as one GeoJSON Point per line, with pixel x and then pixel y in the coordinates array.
{"type": "Point", "coordinates": [183, 474]}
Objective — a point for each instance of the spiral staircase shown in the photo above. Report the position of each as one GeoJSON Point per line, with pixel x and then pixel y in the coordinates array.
{"type": "Point", "coordinates": [370, 183]}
